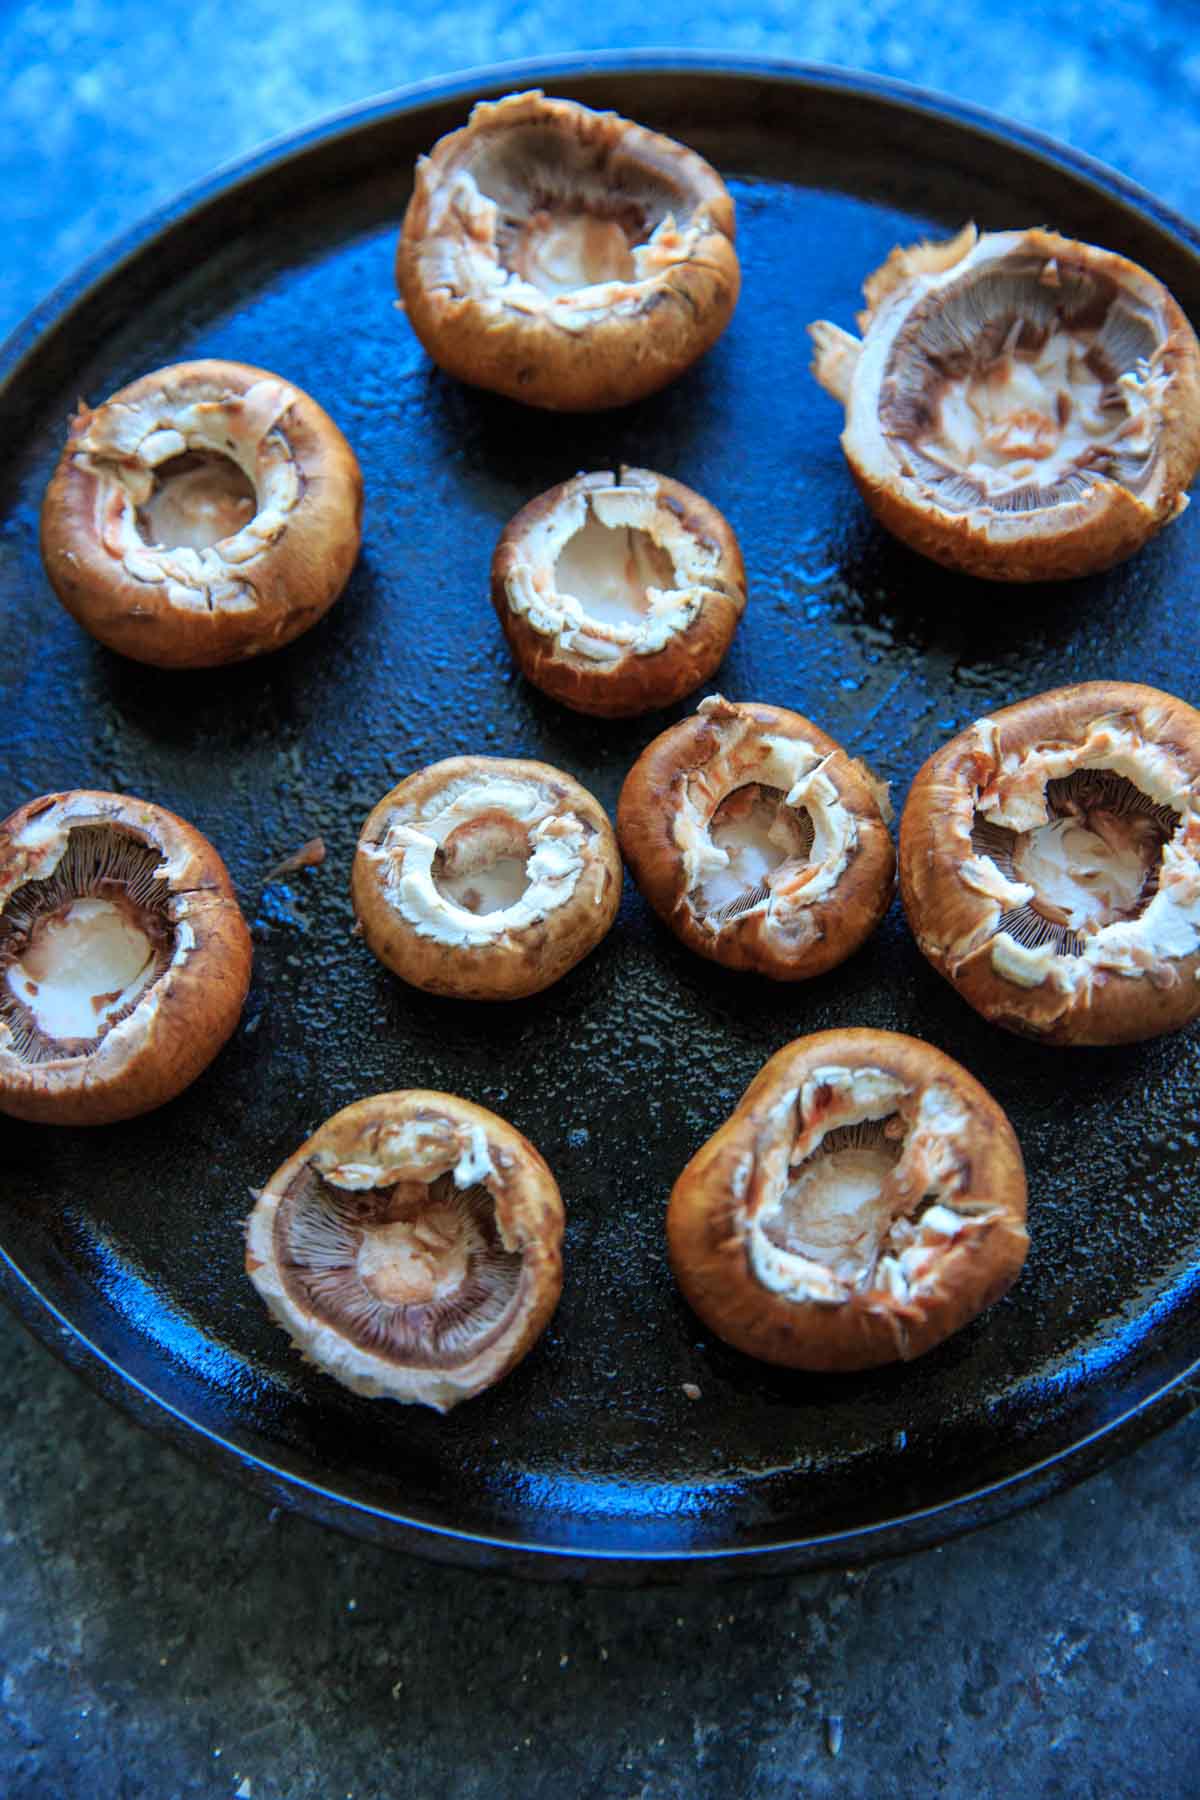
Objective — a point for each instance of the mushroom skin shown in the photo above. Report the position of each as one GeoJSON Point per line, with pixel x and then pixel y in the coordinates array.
{"type": "Point", "coordinates": [194, 937]}
{"type": "Point", "coordinates": [411, 1262]}
{"type": "Point", "coordinates": [1105, 775]}
{"type": "Point", "coordinates": [274, 570]}
{"type": "Point", "coordinates": [800, 1262]}
{"type": "Point", "coordinates": [432, 847]}
{"type": "Point", "coordinates": [652, 648]}
{"type": "Point", "coordinates": [566, 258]}
{"type": "Point", "coordinates": [1021, 406]}
{"type": "Point", "coordinates": [817, 904]}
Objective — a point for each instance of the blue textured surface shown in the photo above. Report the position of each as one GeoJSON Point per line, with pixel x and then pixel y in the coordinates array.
{"type": "Point", "coordinates": [1017, 1638]}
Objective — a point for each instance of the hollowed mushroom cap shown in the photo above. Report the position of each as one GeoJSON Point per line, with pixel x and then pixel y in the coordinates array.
{"type": "Point", "coordinates": [411, 1248]}
{"type": "Point", "coordinates": [1050, 864]}
{"type": "Point", "coordinates": [124, 958]}
{"type": "Point", "coordinates": [618, 593]}
{"type": "Point", "coordinates": [864, 1201]}
{"type": "Point", "coordinates": [206, 513]}
{"type": "Point", "coordinates": [485, 878]}
{"type": "Point", "coordinates": [565, 257]}
{"type": "Point", "coordinates": [758, 840]}
{"type": "Point", "coordinates": [1020, 406]}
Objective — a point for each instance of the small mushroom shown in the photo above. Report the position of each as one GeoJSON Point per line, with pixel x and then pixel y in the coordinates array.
{"type": "Point", "coordinates": [485, 878]}
{"type": "Point", "coordinates": [565, 257]}
{"type": "Point", "coordinates": [758, 840]}
{"type": "Point", "coordinates": [1020, 406]}
{"type": "Point", "coordinates": [1050, 864]}
{"type": "Point", "coordinates": [206, 513]}
{"type": "Point", "coordinates": [864, 1201]}
{"type": "Point", "coordinates": [411, 1248]}
{"type": "Point", "coordinates": [618, 593]}
{"type": "Point", "coordinates": [124, 958]}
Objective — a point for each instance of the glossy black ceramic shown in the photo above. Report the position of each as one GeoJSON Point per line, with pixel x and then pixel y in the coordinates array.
{"type": "Point", "coordinates": [122, 1247]}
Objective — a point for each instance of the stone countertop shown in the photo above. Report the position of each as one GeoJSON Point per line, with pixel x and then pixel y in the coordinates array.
{"type": "Point", "coordinates": [163, 1633]}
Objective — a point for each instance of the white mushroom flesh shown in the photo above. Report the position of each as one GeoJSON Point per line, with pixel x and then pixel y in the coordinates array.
{"type": "Point", "coordinates": [83, 965]}
{"type": "Point", "coordinates": [1088, 856]}
{"type": "Point", "coordinates": [854, 1188]}
{"type": "Point", "coordinates": [131, 447]}
{"type": "Point", "coordinates": [782, 847]}
{"type": "Point", "coordinates": [479, 904]}
{"type": "Point", "coordinates": [613, 572]}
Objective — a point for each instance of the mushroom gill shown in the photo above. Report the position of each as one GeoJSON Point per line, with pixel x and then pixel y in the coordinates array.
{"type": "Point", "coordinates": [416, 1272]}
{"type": "Point", "coordinates": [572, 203]}
{"type": "Point", "coordinates": [1096, 859]}
{"type": "Point", "coordinates": [80, 948]}
{"type": "Point", "coordinates": [1022, 382]}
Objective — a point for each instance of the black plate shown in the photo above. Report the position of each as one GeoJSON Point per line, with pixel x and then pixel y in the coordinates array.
{"type": "Point", "coordinates": [121, 1248]}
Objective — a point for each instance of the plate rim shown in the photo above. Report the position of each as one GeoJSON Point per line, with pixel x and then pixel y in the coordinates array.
{"type": "Point", "coordinates": [71, 1343]}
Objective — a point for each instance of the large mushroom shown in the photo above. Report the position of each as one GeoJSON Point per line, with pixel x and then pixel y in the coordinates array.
{"type": "Point", "coordinates": [618, 592]}
{"type": "Point", "coordinates": [865, 1199]}
{"type": "Point", "coordinates": [1050, 864]}
{"type": "Point", "coordinates": [1020, 406]}
{"type": "Point", "coordinates": [485, 878]}
{"type": "Point", "coordinates": [411, 1248]}
{"type": "Point", "coordinates": [565, 257]}
{"type": "Point", "coordinates": [124, 958]}
{"type": "Point", "coordinates": [206, 513]}
{"type": "Point", "coordinates": [758, 840]}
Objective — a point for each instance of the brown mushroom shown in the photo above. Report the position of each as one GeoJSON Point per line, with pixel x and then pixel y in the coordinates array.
{"type": "Point", "coordinates": [206, 513]}
{"type": "Point", "coordinates": [485, 878]}
{"type": "Point", "coordinates": [124, 958]}
{"type": "Point", "coordinates": [864, 1201]}
{"type": "Point", "coordinates": [618, 593]}
{"type": "Point", "coordinates": [1050, 864]}
{"type": "Point", "coordinates": [758, 840]}
{"type": "Point", "coordinates": [411, 1248]}
{"type": "Point", "coordinates": [565, 257]}
{"type": "Point", "coordinates": [1020, 406]}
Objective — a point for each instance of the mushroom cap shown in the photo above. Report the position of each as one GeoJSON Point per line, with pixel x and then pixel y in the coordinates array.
{"type": "Point", "coordinates": [496, 1224]}
{"type": "Point", "coordinates": [1021, 406]}
{"type": "Point", "coordinates": [252, 591]}
{"type": "Point", "coordinates": [747, 1268]}
{"type": "Point", "coordinates": [446, 821]}
{"type": "Point", "coordinates": [817, 905]}
{"type": "Point", "coordinates": [1116, 982]}
{"type": "Point", "coordinates": [523, 163]}
{"type": "Point", "coordinates": [153, 1049]}
{"type": "Point", "coordinates": [619, 667]}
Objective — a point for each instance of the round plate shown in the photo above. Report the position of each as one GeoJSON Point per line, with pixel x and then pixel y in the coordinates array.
{"type": "Point", "coordinates": [122, 1247]}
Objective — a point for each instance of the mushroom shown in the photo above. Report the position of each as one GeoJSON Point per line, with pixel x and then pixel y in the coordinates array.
{"type": "Point", "coordinates": [565, 257]}
{"type": "Point", "coordinates": [486, 878]}
{"type": "Point", "coordinates": [864, 1201]}
{"type": "Point", "coordinates": [757, 840]}
{"type": "Point", "coordinates": [411, 1248]}
{"type": "Point", "coordinates": [124, 958]}
{"type": "Point", "coordinates": [1021, 406]}
{"type": "Point", "coordinates": [1050, 864]}
{"type": "Point", "coordinates": [206, 513]}
{"type": "Point", "coordinates": [618, 593]}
